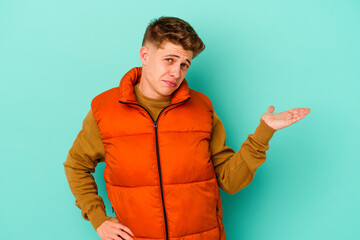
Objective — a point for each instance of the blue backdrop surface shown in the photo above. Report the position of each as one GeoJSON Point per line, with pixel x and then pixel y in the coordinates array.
{"type": "Point", "coordinates": [55, 56]}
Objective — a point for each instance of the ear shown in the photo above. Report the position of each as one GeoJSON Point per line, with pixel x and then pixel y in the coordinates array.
{"type": "Point", "coordinates": [144, 55]}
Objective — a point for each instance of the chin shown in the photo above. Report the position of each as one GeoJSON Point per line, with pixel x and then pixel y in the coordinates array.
{"type": "Point", "coordinates": [167, 91]}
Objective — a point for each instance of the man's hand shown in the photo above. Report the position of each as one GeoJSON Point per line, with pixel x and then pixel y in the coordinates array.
{"type": "Point", "coordinates": [283, 119]}
{"type": "Point", "coordinates": [113, 229]}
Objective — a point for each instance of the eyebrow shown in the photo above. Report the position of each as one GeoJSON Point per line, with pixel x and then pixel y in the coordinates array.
{"type": "Point", "coordinates": [172, 55]}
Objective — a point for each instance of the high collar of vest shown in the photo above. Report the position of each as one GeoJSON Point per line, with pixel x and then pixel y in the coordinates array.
{"type": "Point", "coordinates": [132, 77]}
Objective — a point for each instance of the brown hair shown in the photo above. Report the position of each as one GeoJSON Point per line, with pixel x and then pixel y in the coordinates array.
{"type": "Point", "coordinates": [174, 30]}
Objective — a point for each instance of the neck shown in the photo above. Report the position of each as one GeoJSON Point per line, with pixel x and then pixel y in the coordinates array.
{"type": "Point", "coordinates": [144, 87]}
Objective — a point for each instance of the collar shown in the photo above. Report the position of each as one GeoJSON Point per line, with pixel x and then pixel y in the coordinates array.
{"type": "Point", "coordinates": [132, 77]}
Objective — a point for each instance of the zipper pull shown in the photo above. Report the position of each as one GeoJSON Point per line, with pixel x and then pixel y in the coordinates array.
{"type": "Point", "coordinates": [112, 209]}
{"type": "Point", "coordinates": [155, 124]}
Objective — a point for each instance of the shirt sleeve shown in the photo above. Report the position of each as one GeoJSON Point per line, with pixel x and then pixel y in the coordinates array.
{"type": "Point", "coordinates": [85, 153]}
{"type": "Point", "coordinates": [235, 170]}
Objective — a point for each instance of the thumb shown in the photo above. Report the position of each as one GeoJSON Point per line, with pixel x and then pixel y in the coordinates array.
{"type": "Point", "coordinates": [271, 109]}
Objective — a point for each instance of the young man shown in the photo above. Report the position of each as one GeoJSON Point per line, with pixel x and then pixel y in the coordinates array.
{"type": "Point", "coordinates": [164, 147]}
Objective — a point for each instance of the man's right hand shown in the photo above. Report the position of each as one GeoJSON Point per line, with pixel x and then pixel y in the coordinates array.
{"type": "Point", "coordinates": [113, 229]}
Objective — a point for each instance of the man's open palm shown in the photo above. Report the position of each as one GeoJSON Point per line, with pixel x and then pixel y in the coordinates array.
{"type": "Point", "coordinates": [284, 119]}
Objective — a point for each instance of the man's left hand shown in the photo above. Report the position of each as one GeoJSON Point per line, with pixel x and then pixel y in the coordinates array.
{"type": "Point", "coordinates": [283, 119]}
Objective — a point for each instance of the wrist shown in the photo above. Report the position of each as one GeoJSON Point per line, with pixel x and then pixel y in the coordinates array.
{"type": "Point", "coordinates": [98, 216]}
{"type": "Point", "coordinates": [263, 132]}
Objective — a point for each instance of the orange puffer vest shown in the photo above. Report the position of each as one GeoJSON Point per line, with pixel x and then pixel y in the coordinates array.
{"type": "Point", "coordinates": [159, 175]}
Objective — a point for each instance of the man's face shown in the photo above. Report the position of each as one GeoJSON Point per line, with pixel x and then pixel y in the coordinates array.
{"type": "Point", "coordinates": [164, 69]}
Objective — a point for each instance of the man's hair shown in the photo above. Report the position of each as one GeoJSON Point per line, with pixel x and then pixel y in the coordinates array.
{"type": "Point", "coordinates": [175, 30]}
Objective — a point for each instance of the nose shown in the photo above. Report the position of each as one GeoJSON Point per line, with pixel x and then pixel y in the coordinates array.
{"type": "Point", "coordinates": [175, 71]}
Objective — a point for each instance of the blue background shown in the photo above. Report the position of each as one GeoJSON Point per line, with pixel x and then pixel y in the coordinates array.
{"type": "Point", "coordinates": [55, 56]}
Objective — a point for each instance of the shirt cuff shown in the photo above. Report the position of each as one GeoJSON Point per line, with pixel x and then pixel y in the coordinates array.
{"type": "Point", "coordinates": [263, 132]}
{"type": "Point", "coordinates": [97, 217]}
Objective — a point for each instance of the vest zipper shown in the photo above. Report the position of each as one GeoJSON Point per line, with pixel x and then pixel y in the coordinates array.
{"type": "Point", "coordinates": [158, 156]}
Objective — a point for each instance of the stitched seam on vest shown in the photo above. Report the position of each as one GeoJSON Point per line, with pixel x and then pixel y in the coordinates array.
{"type": "Point", "coordinates": [132, 186]}
{"type": "Point", "coordinates": [198, 232]}
{"type": "Point", "coordinates": [153, 133]}
{"type": "Point", "coordinates": [185, 131]}
{"type": "Point", "coordinates": [183, 235]}
{"type": "Point", "coordinates": [128, 135]}
{"type": "Point", "coordinates": [158, 185]}
{"type": "Point", "coordinates": [190, 182]}
{"type": "Point", "coordinates": [141, 237]}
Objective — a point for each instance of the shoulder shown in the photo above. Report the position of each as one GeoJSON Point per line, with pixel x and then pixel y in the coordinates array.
{"type": "Point", "coordinates": [200, 97]}
{"type": "Point", "coordinates": [105, 101]}
{"type": "Point", "coordinates": [105, 97]}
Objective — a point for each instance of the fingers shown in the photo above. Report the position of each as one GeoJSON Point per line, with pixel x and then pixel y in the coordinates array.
{"type": "Point", "coordinates": [295, 112]}
{"type": "Point", "coordinates": [293, 115]}
{"type": "Point", "coordinates": [301, 113]}
{"type": "Point", "coordinates": [286, 114]}
{"type": "Point", "coordinates": [271, 109]}
{"type": "Point", "coordinates": [118, 234]}
{"type": "Point", "coordinates": [296, 117]}
{"type": "Point", "coordinates": [122, 235]}
{"type": "Point", "coordinates": [123, 231]}
{"type": "Point", "coordinates": [117, 224]}
{"type": "Point", "coordinates": [123, 228]}
{"type": "Point", "coordinates": [300, 110]}
{"type": "Point", "coordinates": [127, 229]}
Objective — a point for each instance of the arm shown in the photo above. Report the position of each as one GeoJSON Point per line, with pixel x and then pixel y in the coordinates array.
{"type": "Point", "coordinates": [84, 155]}
{"type": "Point", "coordinates": [235, 171]}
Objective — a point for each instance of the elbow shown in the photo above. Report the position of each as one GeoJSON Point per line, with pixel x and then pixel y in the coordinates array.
{"type": "Point", "coordinates": [231, 191]}
{"type": "Point", "coordinates": [228, 189]}
{"type": "Point", "coordinates": [233, 186]}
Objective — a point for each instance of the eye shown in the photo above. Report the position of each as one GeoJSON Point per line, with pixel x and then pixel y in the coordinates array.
{"type": "Point", "coordinates": [184, 65]}
{"type": "Point", "coordinates": [168, 59]}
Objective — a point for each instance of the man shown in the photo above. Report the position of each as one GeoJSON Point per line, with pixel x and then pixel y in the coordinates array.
{"type": "Point", "coordinates": [164, 147]}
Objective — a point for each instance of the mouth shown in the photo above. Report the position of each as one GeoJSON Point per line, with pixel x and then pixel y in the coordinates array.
{"type": "Point", "coordinates": [170, 83]}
